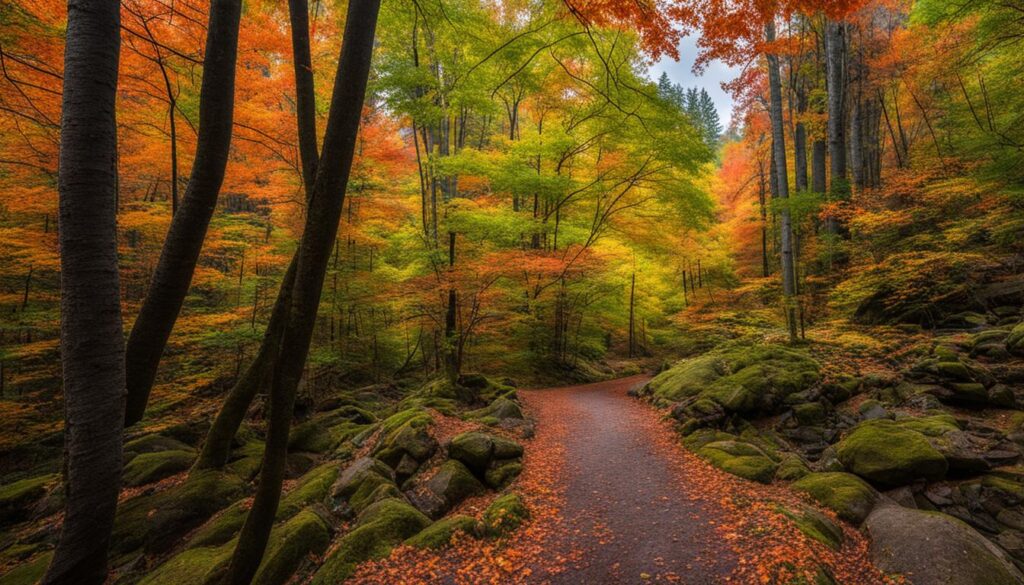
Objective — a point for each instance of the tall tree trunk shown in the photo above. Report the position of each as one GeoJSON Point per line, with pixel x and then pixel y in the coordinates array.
{"type": "Point", "coordinates": [314, 254]}
{"type": "Point", "coordinates": [185, 238]}
{"type": "Point", "coordinates": [818, 174]}
{"type": "Point", "coordinates": [782, 180]}
{"type": "Point", "coordinates": [257, 377]}
{"type": "Point", "coordinates": [632, 315]}
{"type": "Point", "coordinates": [451, 313]}
{"type": "Point", "coordinates": [835, 50]}
{"type": "Point", "coordinates": [92, 337]}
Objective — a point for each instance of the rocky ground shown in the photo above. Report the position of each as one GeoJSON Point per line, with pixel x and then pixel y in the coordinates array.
{"type": "Point", "coordinates": [914, 436]}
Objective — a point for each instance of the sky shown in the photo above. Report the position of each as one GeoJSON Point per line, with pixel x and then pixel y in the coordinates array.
{"type": "Point", "coordinates": [681, 72]}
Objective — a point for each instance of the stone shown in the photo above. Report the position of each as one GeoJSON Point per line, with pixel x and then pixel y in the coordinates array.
{"type": "Point", "coordinates": [931, 547]}
{"type": "Point", "coordinates": [477, 449]}
{"type": "Point", "coordinates": [741, 459]}
{"type": "Point", "coordinates": [891, 455]}
{"type": "Point", "coordinates": [151, 467]}
{"type": "Point", "coordinates": [440, 533]}
{"type": "Point", "coordinates": [454, 482]}
{"type": "Point", "coordinates": [502, 472]}
{"type": "Point", "coordinates": [16, 499]}
{"type": "Point", "coordinates": [289, 545]}
{"type": "Point", "coordinates": [505, 514]}
{"type": "Point", "coordinates": [845, 494]}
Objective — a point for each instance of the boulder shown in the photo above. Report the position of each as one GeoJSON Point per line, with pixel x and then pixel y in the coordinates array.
{"type": "Point", "coordinates": [454, 483]}
{"type": "Point", "coordinates": [741, 459]}
{"type": "Point", "coordinates": [1015, 341]}
{"type": "Point", "coordinates": [289, 545]}
{"type": "Point", "coordinates": [378, 529]}
{"type": "Point", "coordinates": [195, 566]}
{"type": "Point", "coordinates": [931, 547]}
{"type": "Point", "coordinates": [816, 525]}
{"type": "Point", "coordinates": [151, 467]}
{"type": "Point", "coordinates": [843, 493]}
{"type": "Point", "coordinates": [361, 483]}
{"type": "Point", "coordinates": [477, 450]}
{"type": "Point", "coordinates": [440, 533]}
{"type": "Point", "coordinates": [502, 472]}
{"type": "Point", "coordinates": [889, 454]}
{"type": "Point", "coordinates": [16, 499]}
{"type": "Point", "coordinates": [505, 514]}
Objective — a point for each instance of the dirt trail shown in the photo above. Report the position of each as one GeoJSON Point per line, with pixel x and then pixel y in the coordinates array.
{"type": "Point", "coordinates": [629, 515]}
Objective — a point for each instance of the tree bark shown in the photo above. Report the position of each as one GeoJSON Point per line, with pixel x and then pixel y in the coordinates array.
{"type": "Point", "coordinates": [92, 334]}
{"type": "Point", "coordinates": [782, 181]}
{"type": "Point", "coordinates": [257, 377]}
{"type": "Point", "coordinates": [314, 254]}
{"type": "Point", "coordinates": [835, 50]}
{"type": "Point", "coordinates": [185, 238]}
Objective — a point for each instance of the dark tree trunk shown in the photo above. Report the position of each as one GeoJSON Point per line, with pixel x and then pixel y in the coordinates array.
{"type": "Point", "coordinates": [782, 180]}
{"type": "Point", "coordinates": [451, 313]}
{"type": "Point", "coordinates": [92, 337]}
{"type": "Point", "coordinates": [835, 49]}
{"type": "Point", "coordinates": [818, 174]}
{"type": "Point", "coordinates": [314, 253]}
{"type": "Point", "coordinates": [800, 137]}
{"type": "Point", "coordinates": [258, 375]}
{"type": "Point", "coordinates": [185, 238]}
{"type": "Point", "coordinates": [632, 315]}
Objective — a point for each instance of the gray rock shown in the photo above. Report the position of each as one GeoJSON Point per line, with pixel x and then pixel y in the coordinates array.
{"type": "Point", "coordinates": [934, 548]}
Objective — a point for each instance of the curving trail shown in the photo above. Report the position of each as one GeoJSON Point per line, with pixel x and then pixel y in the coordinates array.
{"type": "Point", "coordinates": [629, 513]}
{"type": "Point", "coordinates": [615, 499]}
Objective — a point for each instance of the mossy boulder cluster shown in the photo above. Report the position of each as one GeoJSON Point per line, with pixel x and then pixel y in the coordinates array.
{"type": "Point", "coordinates": [365, 473]}
{"type": "Point", "coordinates": [940, 434]}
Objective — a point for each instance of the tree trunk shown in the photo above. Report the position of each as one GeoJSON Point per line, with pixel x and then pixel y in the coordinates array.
{"type": "Point", "coordinates": [632, 315]}
{"type": "Point", "coordinates": [258, 375]}
{"type": "Point", "coordinates": [314, 254]}
{"type": "Point", "coordinates": [185, 238]}
{"type": "Point", "coordinates": [782, 180]}
{"type": "Point", "coordinates": [451, 312]}
{"type": "Point", "coordinates": [835, 49]}
{"type": "Point", "coordinates": [818, 175]}
{"type": "Point", "coordinates": [92, 337]}
{"type": "Point", "coordinates": [800, 137]}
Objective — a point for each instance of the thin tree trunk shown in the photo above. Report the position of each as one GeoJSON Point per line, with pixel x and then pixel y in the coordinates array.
{"type": "Point", "coordinates": [835, 48]}
{"type": "Point", "coordinates": [451, 313]}
{"type": "Point", "coordinates": [257, 377]}
{"type": "Point", "coordinates": [314, 253]}
{"type": "Point", "coordinates": [185, 238]}
{"type": "Point", "coordinates": [92, 334]}
{"type": "Point", "coordinates": [632, 315]}
{"type": "Point", "coordinates": [782, 180]}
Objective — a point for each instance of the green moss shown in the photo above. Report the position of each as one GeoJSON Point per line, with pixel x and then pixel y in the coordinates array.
{"type": "Point", "coordinates": [156, 520]}
{"type": "Point", "coordinates": [379, 528]}
{"type": "Point", "coordinates": [931, 426]}
{"type": "Point", "coordinates": [845, 494]}
{"type": "Point", "coordinates": [195, 566]}
{"type": "Point", "coordinates": [791, 468]}
{"type": "Point", "coordinates": [476, 450]}
{"type": "Point", "coordinates": [17, 498]}
{"type": "Point", "coordinates": [406, 433]}
{"type": "Point", "coordinates": [890, 454]}
{"type": "Point", "coordinates": [440, 533]}
{"type": "Point", "coordinates": [312, 488]}
{"type": "Point", "coordinates": [505, 514]}
{"type": "Point", "coordinates": [810, 413]}
{"type": "Point", "coordinates": [454, 482]}
{"type": "Point", "coordinates": [362, 481]}
{"type": "Point", "coordinates": [29, 572]}
{"type": "Point", "coordinates": [150, 467]}
{"type": "Point", "coordinates": [740, 459]}
{"type": "Point", "coordinates": [152, 443]}
{"type": "Point", "coordinates": [816, 525]}
{"type": "Point", "coordinates": [290, 543]}
{"type": "Point", "coordinates": [222, 527]}
{"type": "Point", "coordinates": [739, 378]}
{"type": "Point", "coordinates": [502, 474]}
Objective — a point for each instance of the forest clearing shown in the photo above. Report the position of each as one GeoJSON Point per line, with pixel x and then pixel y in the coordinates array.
{"type": "Point", "coordinates": [488, 292]}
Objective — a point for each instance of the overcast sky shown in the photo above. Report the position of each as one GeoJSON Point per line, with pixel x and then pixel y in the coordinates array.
{"type": "Point", "coordinates": [681, 72]}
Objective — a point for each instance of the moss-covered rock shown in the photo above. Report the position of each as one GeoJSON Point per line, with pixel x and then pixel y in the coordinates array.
{"type": "Point", "coordinates": [16, 499]}
{"type": "Point", "coordinates": [502, 472]}
{"type": "Point", "coordinates": [1015, 340]}
{"type": "Point", "coordinates": [440, 533]}
{"type": "Point", "coordinates": [379, 528]}
{"type": "Point", "coordinates": [361, 482]}
{"type": "Point", "coordinates": [845, 494]}
{"type": "Point", "coordinates": [222, 527]}
{"type": "Point", "coordinates": [290, 543]}
{"type": "Point", "coordinates": [152, 443]}
{"type": "Point", "coordinates": [741, 379]}
{"type": "Point", "coordinates": [312, 488]}
{"type": "Point", "coordinates": [741, 459]}
{"type": "Point", "coordinates": [888, 454]}
{"type": "Point", "coordinates": [406, 433]}
{"type": "Point", "coordinates": [476, 450]}
{"type": "Point", "coordinates": [155, 521]}
{"type": "Point", "coordinates": [150, 467]}
{"type": "Point", "coordinates": [505, 514]}
{"type": "Point", "coordinates": [29, 572]}
{"type": "Point", "coordinates": [791, 468]}
{"type": "Point", "coordinates": [454, 483]}
{"type": "Point", "coordinates": [816, 525]}
{"type": "Point", "coordinates": [195, 566]}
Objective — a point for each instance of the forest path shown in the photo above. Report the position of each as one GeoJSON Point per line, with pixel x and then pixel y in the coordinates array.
{"type": "Point", "coordinates": [630, 515]}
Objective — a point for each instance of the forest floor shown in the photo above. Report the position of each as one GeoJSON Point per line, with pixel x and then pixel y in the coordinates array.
{"type": "Point", "coordinates": [615, 498]}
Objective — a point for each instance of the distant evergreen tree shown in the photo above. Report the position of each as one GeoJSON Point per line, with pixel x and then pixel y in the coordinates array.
{"type": "Point", "coordinates": [697, 104]}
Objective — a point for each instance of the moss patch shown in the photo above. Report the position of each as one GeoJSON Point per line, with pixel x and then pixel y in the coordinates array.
{"type": "Point", "coordinates": [380, 527]}
{"type": "Point", "coordinates": [17, 498]}
{"type": "Point", "coordinates": [740, 459]}
{"type": "Point", "coordinates": [505, 514]}
{"type": "Point", "coordinates": [845, 494]}
{"type": "Point", "coordinates": [195, 566]}
{"type": "Point", "coordinates": [151, 467]}
{"type": "Point", "coordinates": [28, 573]}
{"type": "Point", "coordinates": [290, 543]}
{"type": "Point", "coordinates": [440, 533]}
{"type": "Point", "coordinates": [890, 454]}
{"type": "Point", "coordinates": [312, 488]}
